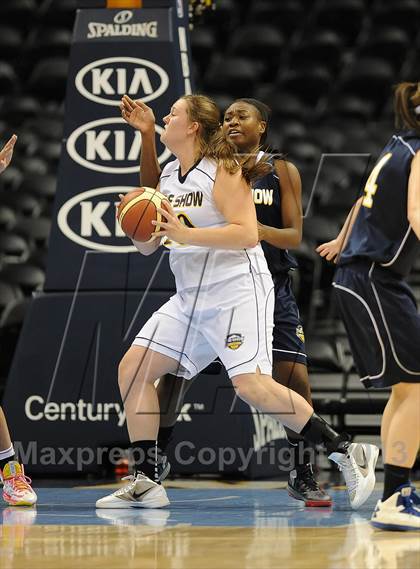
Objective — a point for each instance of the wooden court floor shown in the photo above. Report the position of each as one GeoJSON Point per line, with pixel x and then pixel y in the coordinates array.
{"type": "Point", "coordinates": [206, 527]}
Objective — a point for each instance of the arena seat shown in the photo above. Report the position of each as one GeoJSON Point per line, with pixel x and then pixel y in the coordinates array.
{"type": "Point", "coordinates": [11, 39]}
{"type": "Point", "coordinates": [22, 11]}
{"type": "Point", "coordinates": [13, 248]}
{"type": "Point", "coordinates": [7, 218]}
{"type": "Point", "coordinates": [319, 229]}
{"type": "Point", "coordinates": [49, 78]}
{"type": "Point", "coordinates": [236, 75]}
{"type": "Point", "coordinates": [9, 82]}
{"type": "Point", "coordinates": [345, 17]}
{"type": "Point", "coordinates": [283, 105]}
{"type": "Point", "coordinates": [328, 137]}
{"type": "Point", "coordinates": [203, 45]}
{"type": "Point", "coordinates": [48, 42]}
{"type": "Point", "coordinates": [302, 150]}
{"type": "Point", "coordinates": [402, 13]}
{"type": "Point", "coordinates": [222, 100]}
{"type": "Point", "coordinates": [287, 15]}
{"type": "Point", "coordinates": [11, 179]}
{"type": "Point", "coordinates": [28, 277]}
{"type": "Point", "coordinates": [223, 21]}
{"type": "Point", "coordinates": [42, 188]}
{"type": "Point", "coordinates": [59, 13]}
{"type": "Point", "coordinates": [351, 107]}
{"type": "Point", "coordinates": [34, 165]}
{"type": "Point", "coordinates": [322, 355]}
{"type": "Point", "coordinates": [321, 47]}
{"type": "Point", "coordinates": [389, 43]}
{"type": "Point", "coordinates": [291, 130]}
{"type": "Point", "coordinates": [22, 203]}
{"type": "Point", "coordinates": [50, 151]}
{"type": "Point", "coordinates": [332, 176]}
{"type": "Point", "coordinates": [11, 321]}
{"type": "Point", "coordinates": [17, 110]}
{"type": "Point", "coordinates": [309, 83]}
{"type": "Point", "coordinates": [45, 126]}
{"type": "Point", "coordinates": [412, 69]}
{"type": "Point", "coordinates": [258, 41]}
{"type": "Point", "coordinates": [29, 145]}
{"type": "Point", "coordinates": [34, 229]}
{"type": "Point", "coordinates": [369, 78]}
{"type": "Point", "coordinates": [8, 295]}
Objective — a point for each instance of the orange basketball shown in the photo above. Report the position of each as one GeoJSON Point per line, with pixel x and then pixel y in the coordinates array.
{"type": "Point", "coordinates": [137, 210]}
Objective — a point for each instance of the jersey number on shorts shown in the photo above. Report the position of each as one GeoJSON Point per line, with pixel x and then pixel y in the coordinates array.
{"type": "Point", "coordinates": [371, 185]}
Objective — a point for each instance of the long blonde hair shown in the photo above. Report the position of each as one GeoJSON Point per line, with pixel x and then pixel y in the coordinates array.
{"type": "Point", "coordinates": [214, 144]}
{"type": "Point", "coordinates": [406, 99]}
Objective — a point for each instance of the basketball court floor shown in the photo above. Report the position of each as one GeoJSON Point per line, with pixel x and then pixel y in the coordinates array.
{"type": "Point", "coordinates": [208, 525]}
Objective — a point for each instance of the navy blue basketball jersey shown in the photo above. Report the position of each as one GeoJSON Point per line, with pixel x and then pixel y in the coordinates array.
{"type": "Point", "coordinates": [267, 198]}
{"type": "Point", "coordinates": [381, 232]}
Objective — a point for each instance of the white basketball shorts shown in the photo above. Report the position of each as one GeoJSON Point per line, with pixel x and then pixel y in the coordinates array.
{"type": "Point", "coordinates": [232, 319]}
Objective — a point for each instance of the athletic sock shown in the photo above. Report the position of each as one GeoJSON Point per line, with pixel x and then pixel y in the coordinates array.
{"type": "Point", "coordinates": [6, 455]}
{"type": "Point", "coordinates": [318, 431]}
{"type": "Point", "coordinates": [165, 437]}
{"type": "Point", "coordinates": [395, 476]}
{"type": "Point", "coordinates": [300, 454]}
{"type": "Point", "coordinates": [145, 454]}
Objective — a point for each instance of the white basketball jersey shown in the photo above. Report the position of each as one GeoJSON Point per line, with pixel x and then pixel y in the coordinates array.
{"type": "Point", "coordinates": [191, 196]}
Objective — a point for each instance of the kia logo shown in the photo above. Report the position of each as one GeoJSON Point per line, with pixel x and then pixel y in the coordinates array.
{"type": "Point", "coordinates": [89, 218]}
{"type": "Point", "coordinates": [95, 143]}
{"type": "Point", "coordinates": [123, 17]}
{"type": "Point", "coordinates": [105, 81]}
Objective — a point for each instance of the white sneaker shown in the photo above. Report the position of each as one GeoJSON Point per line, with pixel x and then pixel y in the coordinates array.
{"type": "Point", "coordinates": [397, 512]}
{"type": "Point", "coordinates": [358, 467]}
{"type": "Point", "coordinates": [140, 492]}
{"type": "Point", "coordinates": [17, 490]}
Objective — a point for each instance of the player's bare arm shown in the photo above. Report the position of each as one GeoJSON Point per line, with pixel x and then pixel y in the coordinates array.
{"type": "Point", "coordinates": [6, 153]}
{"type": "Point", "coordinates": [141, 117]}
{"type": "Point", "coordinates": [290, 235]}
{"type": "Point", "coordinates": [413, 203]}
{"type": "Point", "coordinates": [332, 249]}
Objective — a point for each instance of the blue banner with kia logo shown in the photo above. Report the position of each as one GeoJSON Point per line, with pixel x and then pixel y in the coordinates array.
{"type": "Point", "coordinates": [145, 54]}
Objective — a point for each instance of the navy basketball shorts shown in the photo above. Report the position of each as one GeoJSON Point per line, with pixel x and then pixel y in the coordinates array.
{"type": "Point", "coordinates": [231, 319]}
{"type": "Point", "coordinates": [288, 336]}
{"type": "Point", "coordinates": [381, 318]}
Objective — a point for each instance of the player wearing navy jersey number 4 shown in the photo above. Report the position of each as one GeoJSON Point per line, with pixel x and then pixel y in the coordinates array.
{"type": "Point", "coordinates": [224, 299]}
{"type": "Point", "coordinates": [375, 251]}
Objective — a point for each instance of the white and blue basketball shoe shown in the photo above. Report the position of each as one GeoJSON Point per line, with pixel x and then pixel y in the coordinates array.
{"type": "Point", "coordinates": [398, 512]}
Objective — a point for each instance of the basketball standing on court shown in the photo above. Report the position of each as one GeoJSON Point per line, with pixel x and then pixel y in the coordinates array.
{"type": "Point", "coordinates": [17, 489]}
{"type": "Point", "coordinates": [376, 250]}
{"type": "Point", "coordinates": [223, 305]}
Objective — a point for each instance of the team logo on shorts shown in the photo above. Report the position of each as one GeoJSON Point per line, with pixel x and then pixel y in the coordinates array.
{"type": "Point", "coordinates": [299, 333]}
{"type": "Point", "coordinates": [234, 341]}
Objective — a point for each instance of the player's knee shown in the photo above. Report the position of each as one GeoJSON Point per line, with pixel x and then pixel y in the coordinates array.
{"type": "Point", "coordinates": [128, 374]}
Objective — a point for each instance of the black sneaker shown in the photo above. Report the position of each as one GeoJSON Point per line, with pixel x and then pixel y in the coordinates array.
{"type": "Point", "coordinates": [303, 486]}
{"type": "Point", "coordinates": [164, 467]}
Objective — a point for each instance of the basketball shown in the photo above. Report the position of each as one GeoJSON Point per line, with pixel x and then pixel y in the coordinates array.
{"type": "Point", "coordinates": [137, 210]}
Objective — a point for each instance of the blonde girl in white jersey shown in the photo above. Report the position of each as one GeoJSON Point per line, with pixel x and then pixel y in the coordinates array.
{"type": "Point", "coordinates": [223, 305]}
